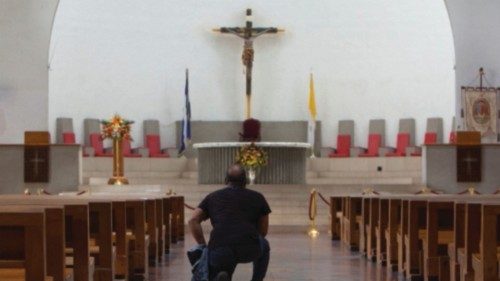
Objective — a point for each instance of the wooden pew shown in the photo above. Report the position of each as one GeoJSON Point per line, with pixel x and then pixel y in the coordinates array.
{"type": "Point", "coordinates": [55, 233]}
{"type": "Point", "coordinates": [416, 220]}
{"type": "Point", "coordinates": [471, 237]}
{"type": "Point", "coordinates": [177, 220]}
{"type": "Point", "coordinates": [429, 236]}
{"type": "Point", "coordinates": [167, 221]}
{"type": "Point", "coordinates": [363, 222]}
{"type": "Point", "coordinates": [99, 230]}
{"type": "Point", "coordinates": [485, 262]}
{"type": "Point", "coordinates": [353, 222]}
{"type": "Point", "coordinates": [371, 227]}
{"type": "Point", "coordinates": [381, 229]}
{"type": "Point", "coordinates": [426, 240]}
{"type": "Point", "coordinates": [181, 215]}
{"type": "Point", "coordinates": [393, 227]}
{"type": "Point", "coordinates": [391, 223]}
{"type": "Point", "coordinates": [336, 214]}
{"type": "Point", "coordinates": [401, 237]}
{"type": "Point", "coordinates": [160, 222]}
{"type": "Point", "coordinates": [138, 248]}
{"type": "Point", "coordinates": [343, 218]}
{"type": "Point", "coordinates": [130, 238]}
{"type": "Point", "coordinates": [107, 215]}
{"type": "Point", "coordinates": [141, 228]}
{"type": "Point", "coordinates": [120, 241]}
{"type": "Point", "coordinates": [152, 231]}
{"type": "Point", "coordinates": [458, 239]}
{"type": "Point", "coordinates": [439, 234]}
{"type": "Point", "coordinates": [434, 242]}
{"type": "Point", "coordinates": [144, 216]}
{"type": "Point", "coordinates": [76, 226]}
{"type": "Point", "coordinates": [24, 236]}
{"type": "Point", "coordinates": [157, 225]}
{"type": "Point", "coordinates": [466, 237]}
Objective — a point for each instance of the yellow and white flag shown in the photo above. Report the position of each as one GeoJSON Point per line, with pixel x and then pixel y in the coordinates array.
{"type": "Point", "coordinates": [312, 114]}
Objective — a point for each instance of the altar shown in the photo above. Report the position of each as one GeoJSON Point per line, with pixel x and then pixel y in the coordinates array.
{"type": "Point", "coordinates": [286, 161]}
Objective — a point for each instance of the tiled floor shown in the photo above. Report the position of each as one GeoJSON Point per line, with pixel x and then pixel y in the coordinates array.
{"type": "Point", "coordinates": [294, 256]}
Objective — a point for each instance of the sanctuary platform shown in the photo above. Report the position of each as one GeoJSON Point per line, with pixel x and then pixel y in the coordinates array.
{"type": "Point", "coordinates": [289, 202]}
{"type": "Point", "coordinates": [319, 171]}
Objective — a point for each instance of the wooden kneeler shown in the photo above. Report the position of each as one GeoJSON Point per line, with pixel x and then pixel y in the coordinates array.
{"type": "Point", "coordinates": [23, 238]}
{"type": "Point", "coordinates": [486, 262]}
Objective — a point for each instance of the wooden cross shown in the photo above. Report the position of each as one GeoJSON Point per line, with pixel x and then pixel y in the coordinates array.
{"type": "Point", "coordinates": [469, 160]}
{"type": "Point", "coordinates": [36, 160]}
{"type": "Point", "coordinates": [248, 34]}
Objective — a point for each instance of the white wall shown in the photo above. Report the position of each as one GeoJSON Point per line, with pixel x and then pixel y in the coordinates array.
{"type": "Point", "coordinates": [476, 37]}
{"type": "Point", "coordinates": [371, 59]}
{"type": "Point", "coordinates": [25, 28]}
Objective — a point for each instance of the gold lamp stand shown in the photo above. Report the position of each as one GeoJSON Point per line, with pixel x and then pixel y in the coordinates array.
{"type": "Point", "coordinates": [118, 174]}
{"type": "Point", "coordinates": [313, 211]}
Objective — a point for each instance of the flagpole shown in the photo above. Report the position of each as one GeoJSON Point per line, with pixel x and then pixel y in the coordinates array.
{"type": "Point", "coordinates": [249, 106]}
{"type": "Point", "coordinates": [312, 115]}
{"type": "Point", "coordinates": [186, 119]}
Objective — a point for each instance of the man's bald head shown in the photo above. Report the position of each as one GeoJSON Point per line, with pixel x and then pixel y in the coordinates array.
{"type": "Point", "coordinates": [236, 176]}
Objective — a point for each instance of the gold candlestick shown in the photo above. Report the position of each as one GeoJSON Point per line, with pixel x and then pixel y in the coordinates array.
{"type": "Point", "coordinates": [118, 171]}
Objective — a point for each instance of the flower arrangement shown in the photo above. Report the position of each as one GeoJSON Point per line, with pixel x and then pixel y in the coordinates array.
{"type": "Point", "coordinates": [116, 128]}
{"type": "Point", "coordinates": [251, 156]}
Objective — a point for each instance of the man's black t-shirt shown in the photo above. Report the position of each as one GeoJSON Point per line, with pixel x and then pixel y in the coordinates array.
{"type": "Point", "coordinates": [234, 213]}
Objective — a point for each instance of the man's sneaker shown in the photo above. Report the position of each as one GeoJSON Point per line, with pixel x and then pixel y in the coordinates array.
{"type": "Point", "coordinates": [222, 276]}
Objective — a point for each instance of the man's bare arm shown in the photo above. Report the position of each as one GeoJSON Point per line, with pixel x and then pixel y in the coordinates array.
{"type": "Point", "coordinates": [263, 225]}
{"type": "Point", "coordinates": [195, 226]}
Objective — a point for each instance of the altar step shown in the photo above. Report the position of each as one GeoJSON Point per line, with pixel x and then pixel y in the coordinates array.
{"type": "Point", "coordinates": [190, 175]}
{"type": "Point", "coordinates": [289, 203]}
{"type": "Point", "coordinates": [193, 179]}
{"type": "Point", "coordinates": [320, 171]}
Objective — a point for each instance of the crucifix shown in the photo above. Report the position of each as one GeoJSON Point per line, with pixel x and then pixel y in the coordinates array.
{"type": "Point", "coordinates": [248, 34]}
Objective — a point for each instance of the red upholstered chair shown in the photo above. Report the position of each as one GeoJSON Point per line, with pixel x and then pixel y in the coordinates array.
{"type": "Point", "coordinates": [343, 146]}
{"type": "Point", "coordinates": [96, 143]}
{"type": "Point", "coordinates": [374, 141]}
{"type": "Point", "coordinates": [68, 138]}
{"type": "Point", "coordinates": [429, 138]}
{"type": "Point", "coordinates": [251, 130]}
{"type": "Point", "coordinates": [453, 138]}
{"type": "Point", "coordinates": [154, 146]}
{"type": "Point", "coordinates": [127, 150]}
{"type": "Point", "coordinates": [403, 142]}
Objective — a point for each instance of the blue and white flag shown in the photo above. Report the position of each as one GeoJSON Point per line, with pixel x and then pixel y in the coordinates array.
{"type": "Point", "coordinates": [186, 120]}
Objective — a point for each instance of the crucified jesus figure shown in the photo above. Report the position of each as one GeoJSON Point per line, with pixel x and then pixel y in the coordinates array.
{"type": "Point", "coordinates": [248, 34]}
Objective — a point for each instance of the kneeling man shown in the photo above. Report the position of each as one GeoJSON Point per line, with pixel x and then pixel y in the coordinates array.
{"type": "Point", "coordinates": [240, 220]}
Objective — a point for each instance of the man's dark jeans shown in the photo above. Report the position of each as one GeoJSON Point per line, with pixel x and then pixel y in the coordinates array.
{"type": "Point", "coordinates": [226, 259]}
